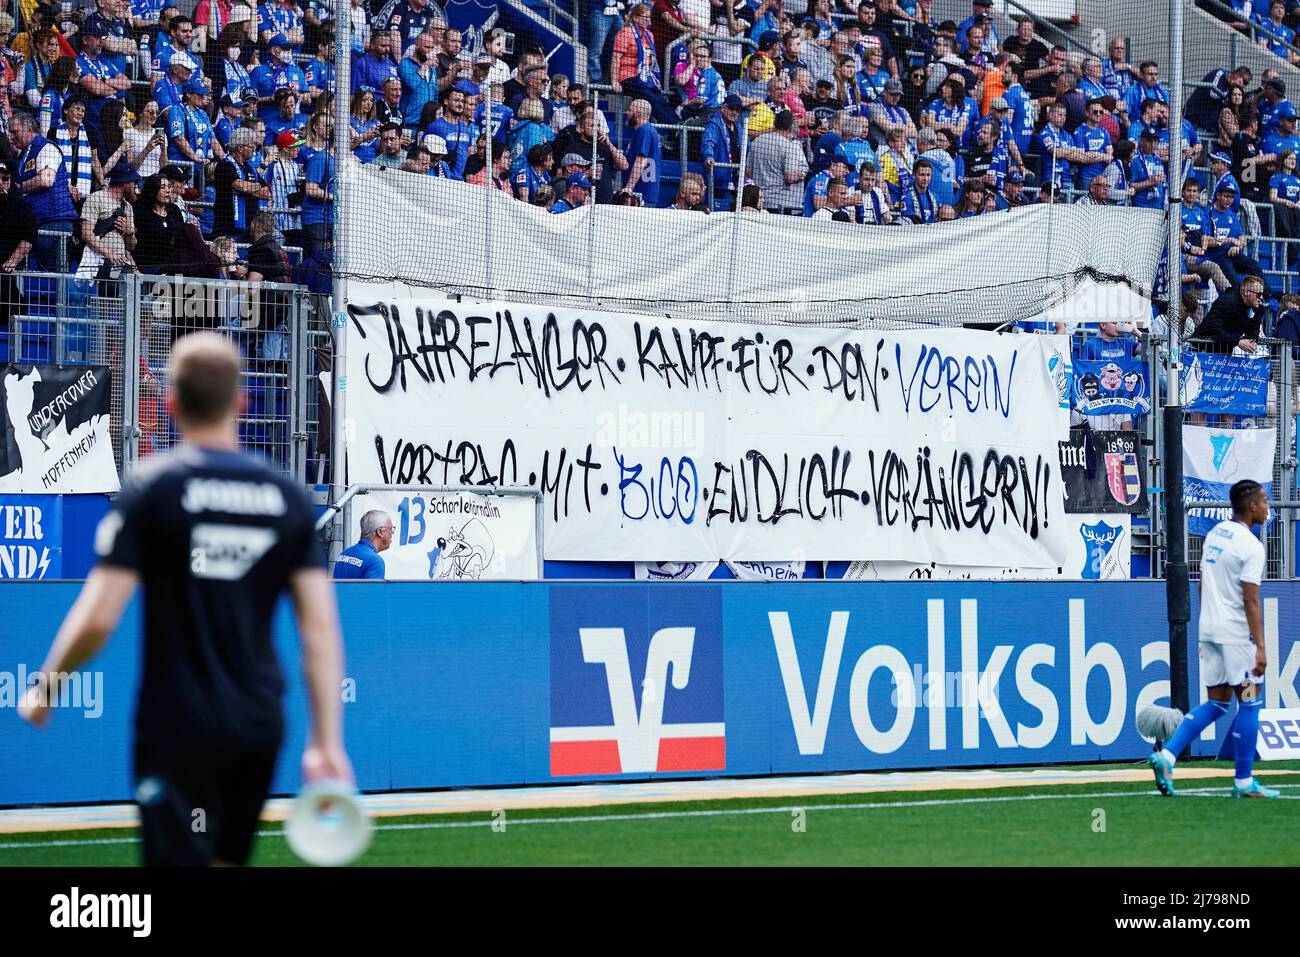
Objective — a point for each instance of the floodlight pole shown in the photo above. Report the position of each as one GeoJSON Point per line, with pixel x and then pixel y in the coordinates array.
{"type": "Point", "coordinates": [339, 292]}
{"type": "Point", "coordinates": [1177, 576]}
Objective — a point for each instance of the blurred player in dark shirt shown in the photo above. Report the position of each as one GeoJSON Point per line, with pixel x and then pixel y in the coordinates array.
{"type": "Point", "coordinates": [216, 537]}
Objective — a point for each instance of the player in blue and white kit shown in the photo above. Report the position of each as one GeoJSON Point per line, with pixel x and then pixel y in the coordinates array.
{"type": "Point", "coordinates": [1233, 659]}
{"type": "Point", "coordinates": [362, 559]}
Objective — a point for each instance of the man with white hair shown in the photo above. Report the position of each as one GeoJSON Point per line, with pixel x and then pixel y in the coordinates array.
{"type": "Point", "coordinates": [644, 153]}
{"type": "Point", "coordinates": [362, 559]}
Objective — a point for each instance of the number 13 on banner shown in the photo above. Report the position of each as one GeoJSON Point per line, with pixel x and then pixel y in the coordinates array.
{"type": "Point", "coordinates": [411, 509]}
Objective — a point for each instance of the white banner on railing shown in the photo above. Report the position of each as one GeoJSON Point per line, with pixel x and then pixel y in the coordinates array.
{"type": "Point", "coordinates": [691, 441]}
{"type": "Point", "coordinates": [455, 536]}
{"type": "Point", "coordinates": [54, 430]}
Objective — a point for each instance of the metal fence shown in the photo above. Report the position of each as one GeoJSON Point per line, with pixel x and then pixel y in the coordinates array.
{"type": "Point", "coordinates": [1280, 536]}
{"type": "Point", "coordinates": [129, 324]}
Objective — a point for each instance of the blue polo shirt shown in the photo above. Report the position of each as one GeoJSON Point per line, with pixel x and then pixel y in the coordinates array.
{"type": "Point", "coordinates": [1050, 142]}
{"type": "Point", "coordinates": [417, 90]}
{"type": "Point", "coordinates": [457, 137]}
{"type": "Point", "coordinates": [645, 141]}
{"type": "Point", "coordinates": [320, 170]}
{"type": "Point", "coordinates": [362, 560]}
{"type": "Point", "coordinates": [1142, 168]}
{"type": "Point", "coordinates": [1094, 140]}
{"type": "Point", "coordinates": [1287, 186]}
{"type": "Point", "coordinates": [817, 186]}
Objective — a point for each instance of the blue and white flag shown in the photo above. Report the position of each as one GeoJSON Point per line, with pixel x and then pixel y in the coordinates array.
{"type": "Point", "coordinates": [1111, 386]}
{"type": "Point", "coordinates": [1215, 459]}
{"type": "Point", "coordinates": [1228, 384]}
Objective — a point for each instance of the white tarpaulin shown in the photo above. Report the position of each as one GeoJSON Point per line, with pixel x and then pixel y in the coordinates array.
{"type": "Point", "coordinates": [771, 268]}
{"type": "Point", "coordinates": [1093, 302]}
{"type": "Point", "coordinates": [694, 441]}
{"type": "Point", "coordinates": [54, 433]}
{"type": "Point", "coordinates": [455, 536]}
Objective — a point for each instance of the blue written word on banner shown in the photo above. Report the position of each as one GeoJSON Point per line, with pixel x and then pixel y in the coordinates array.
{"type": "Point", "coordinates": [1111, 386]}
{"type": "Point", "coordinates": [31, 536]}
{"type": "Point", "coordinates": [1231, 384]}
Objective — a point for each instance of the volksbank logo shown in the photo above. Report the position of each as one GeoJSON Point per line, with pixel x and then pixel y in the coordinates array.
{"type": "Point", "coordinates": [626, 697]}
{"type": "Point", "coordinates": [884, 723]}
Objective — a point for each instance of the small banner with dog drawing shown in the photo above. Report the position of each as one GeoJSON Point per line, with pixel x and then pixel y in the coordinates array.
{"type": "Point", "coordinates": [455, 536]}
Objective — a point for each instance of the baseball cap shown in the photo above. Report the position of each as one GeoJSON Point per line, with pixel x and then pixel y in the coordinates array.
{"type": "Point", "coordinates": [483, 59]}
{"type": "Point", "coordinates": [175, 173]}
{"type": "Point", "coordinates": [893, 86]}
{"type": "Point", "coordinates": [1225, 188]}
{"type": "Point", "coordinates": [1276, 84]}
{"type": "Point", "coordinates": [182, 60]}
{"type": "Point", "coordinates": [733, 101]}
{"type": "Point", "coordinates": [575, 159]}
{"type": "Point", "coordinates": [1219, 155]}
{"type": "Point", "coordinates": [1285, 111]}
{"type": "Point", "coordinates": [579, 179]}
{"type": "Point", "coordinates": [465, 86]}
{"type": "Point", "coordinates": [279, 40]}
{"type": "Point", "coordinates": [8, 167]}
{"type": "Point", "coordinates": [1000, 103]}
{"type": "Point", "coordinates": [194, 85]}
{"type": "Point", "coordinates": [988, 4]}
{"type": "Point", "coordinates": [1015, 176]}
{"type": "Point", "coordinates": [226, 101]}
{"type": "Point", "coordinates": [248, 94]}
{"type": "Point", "coordinates": [435, 145]}
{"type": "Point", "coordinates": [123, 173]}
{"type": "Point", "coordinates": [768, 38]}
{"type": "Point", "coordinates": [288, 139]}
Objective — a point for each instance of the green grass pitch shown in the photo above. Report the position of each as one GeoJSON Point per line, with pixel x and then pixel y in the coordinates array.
{"type": "Point", "coordinates": [1095, 824]}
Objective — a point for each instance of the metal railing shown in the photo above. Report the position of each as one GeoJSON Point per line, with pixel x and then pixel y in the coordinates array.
{"type": "Point", "coordinates": [129, 323]}
{"type": "Point", "coordinates": [1253, 32]}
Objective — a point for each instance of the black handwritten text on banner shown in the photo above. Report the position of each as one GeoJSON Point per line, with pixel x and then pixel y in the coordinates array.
{"type": "Point", "coordinates": [653, 439]}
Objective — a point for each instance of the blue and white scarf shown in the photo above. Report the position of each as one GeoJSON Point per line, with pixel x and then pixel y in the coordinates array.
{"type": "Point", "coordinates": [76, 155]}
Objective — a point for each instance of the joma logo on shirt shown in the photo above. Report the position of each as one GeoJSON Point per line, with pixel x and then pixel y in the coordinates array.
{"type": "Point", "coordinates": [233, 498]}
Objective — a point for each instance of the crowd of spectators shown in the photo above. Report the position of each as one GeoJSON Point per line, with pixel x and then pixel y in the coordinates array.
{"type": "Point", "coordinates": [867, 112]}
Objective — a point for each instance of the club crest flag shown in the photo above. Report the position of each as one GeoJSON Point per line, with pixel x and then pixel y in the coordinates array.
{"type": "Point", "coordinates": [1123, 477]}
{"type": "Point", "coordinates": [1215, 459]}
{"type": "Point", "coordinates": [1111, 386]}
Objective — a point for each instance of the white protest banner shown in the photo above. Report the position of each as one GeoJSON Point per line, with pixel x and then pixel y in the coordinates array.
{"type": "Point", "coordinates": [694, 441]}
{"type": "Point", "coordinates": [1102, 549]}
{"type": "Point", "coordinates": [451, 536]}
{"type": "Point", "coordinates": [1214, 460]}
{"type": "Point", "coordinates": [54, 436]}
